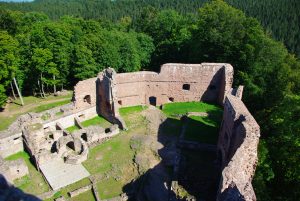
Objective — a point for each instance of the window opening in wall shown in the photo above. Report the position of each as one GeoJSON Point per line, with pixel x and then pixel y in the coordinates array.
{"type": "Point", "coordinates": [87, 99]}
{"type": "Point", "coordinates": [186, 87]}
{"type": "Point", "coordinates": [82, 116]}
{"type": "Point", "coordinates": [71, 145]}
{"type": "Point", "coordinates": [152, 100]}
{"type": "Point", "coordinates": [171, 99]}
{"type": "Point", "coordinates": [212, 87]}
{"type": "Point", "coordinates": [120, 102]}
{"type": "Point", "coordinates": [84, 136]}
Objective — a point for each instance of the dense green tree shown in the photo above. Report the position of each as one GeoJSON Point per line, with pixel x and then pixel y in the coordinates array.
{"type": "Point", "coordinates": [8, 63]}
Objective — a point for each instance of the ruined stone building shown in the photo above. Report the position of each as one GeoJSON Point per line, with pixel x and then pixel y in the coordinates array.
{"type": "Point", "coordinates": [109, 91]}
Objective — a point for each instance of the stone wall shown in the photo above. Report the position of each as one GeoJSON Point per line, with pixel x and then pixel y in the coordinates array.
{"type": "Point", "coordinates": [10, 143]}
{"type": "Point", "coordinates": [175, 83]}
{"type": "Point", "coordinates": [237, 150]}
{"type": "Point", "coordinates": [207, 82]}
{"type": "Point", "coordinates": [85, 93]}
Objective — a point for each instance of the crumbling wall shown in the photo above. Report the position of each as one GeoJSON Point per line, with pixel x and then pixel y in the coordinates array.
{"type": "Point", "coordinates": [14, 169]}
{"type": "Point", "coordinates": [175, 83]}
{"type": "Point", "coordinates": [85, 93]}
{"type": "Point", "coordinates": [10, 143]}
{"type": "Point", "coordinates": [237, 150]}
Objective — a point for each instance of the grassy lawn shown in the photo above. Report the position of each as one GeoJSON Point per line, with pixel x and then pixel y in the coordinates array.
{"type": "Point", "coordinates": [172, 109]}
{"type": "Point", "coordinates": [203, 129]}
{"type": "Point", "coordinates": [199, 128]}
{"type": "Point", "coordinates": [112, 160]}
{"type": "Point", "coordinates": [32, 104]}
{"type": "Point", "coordinates": [42, 108]}
{"type": "Point", "coordinates": [33, 183]}
{"type": "Point", "coordinates": [84, 196]}
{"type": "Point", "coordinates": [98, 120]}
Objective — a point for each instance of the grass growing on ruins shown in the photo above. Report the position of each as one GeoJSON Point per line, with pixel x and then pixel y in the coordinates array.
{"type": "Point", "coordinates": [202, 129]}
{"type": "Point", "coordinates": [32, 183]}
{"type": "Point", "coordinates": [98, 120]}
{"type": "Point", "coordinates": [173, 109]}
{"type": "Point", "coordinates": [87, 196]}
{"type": "Point", "coordinates": [42, 108]}
{"type": "Point", "coordinates": [13, 110]}
{"type": "Point", "coordinates": [71, 129]}
{"type": "Point", "coordinates": [111, 162]}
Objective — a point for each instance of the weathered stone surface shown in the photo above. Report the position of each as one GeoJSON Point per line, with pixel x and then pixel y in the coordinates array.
{"type": "Point", "coordinates": [237, 150]}
{"type": "Point", "coordinates": [13, 169]}
{"type": "Point", "coordinates": [80, 190]}
{"type": "Point", "coordinates": [175, 83]}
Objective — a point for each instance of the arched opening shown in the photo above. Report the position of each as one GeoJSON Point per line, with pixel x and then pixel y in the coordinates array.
{"type": "Point", "coordinates": [171, 99]}
{"type": "Point", "coordinates": [71, 145]}
{"type": "Point", "coordinates": [84, 136]}
{"type": "Point", "coordinates": [152, 100]}
{"type": "Point", "coordinates": [120, 102]}
{"type": "Point", "coordinates": [87, 99]}
{"type": "Point", "coordinates": [186, 87]}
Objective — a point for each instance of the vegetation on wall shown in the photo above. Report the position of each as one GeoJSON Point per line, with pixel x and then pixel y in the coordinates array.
{"type": "Point", "coordinates": [42, 52]}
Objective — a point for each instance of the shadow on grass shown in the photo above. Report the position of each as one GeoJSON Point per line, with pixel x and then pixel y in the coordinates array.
{"type": "Point", "coordinates": [9, 192]}
{"type": "Point", "coordinates": [194, 171]}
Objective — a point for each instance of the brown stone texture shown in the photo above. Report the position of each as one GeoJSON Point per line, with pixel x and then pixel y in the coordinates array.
{"type": "Point", "coordinates": [85, 93]}
{"type": "Point", "coordinates": [175, 83]}
{"type": "Point", "coordinates": [237, 150]}
{"type": "Point", "coordinates": [12, 170]}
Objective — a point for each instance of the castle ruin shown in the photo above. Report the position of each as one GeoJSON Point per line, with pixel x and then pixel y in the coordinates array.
{"type": "Point", "coordinates": [109, 91]}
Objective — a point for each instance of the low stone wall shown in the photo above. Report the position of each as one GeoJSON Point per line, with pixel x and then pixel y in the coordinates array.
{"type": "Point", "coordinates": [69, 120]}
{"type": "Point", "coordinates": [237, 151]}
{"type": "Point", "coordinates": [80, 190]}
{"type": "Point", "coordinates": [10, 143]}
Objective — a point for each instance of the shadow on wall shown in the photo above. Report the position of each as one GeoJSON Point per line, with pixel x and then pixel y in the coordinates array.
{"type": "Point", "coordinates": [11, 193]}
{"type": "Point", "coordinates": [189, 173]}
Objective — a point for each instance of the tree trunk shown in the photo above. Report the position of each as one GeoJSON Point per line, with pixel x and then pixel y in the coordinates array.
{"type": "Point", "coordinates": [42, 85]}
{"type": "Point", "coordinates": [20, 95]}
{"type": "Point", "coordinates": [13, 91]}
{"type": "Point", "coordinates": [54, 86]}
{"type": "Point", "coordinates": [39, 84]}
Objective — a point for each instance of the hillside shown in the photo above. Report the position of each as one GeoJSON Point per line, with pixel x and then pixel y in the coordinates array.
{"type": "Point", "coordinates": [279, 18]}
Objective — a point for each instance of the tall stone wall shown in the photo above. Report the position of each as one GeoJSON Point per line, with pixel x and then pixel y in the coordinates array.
{"type": "Point", "coordinates": [237, 150]}
{"type": "Point", "coordinates": [175, 83]}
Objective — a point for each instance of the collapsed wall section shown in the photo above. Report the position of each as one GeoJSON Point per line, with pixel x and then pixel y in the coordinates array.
{"type": "Point", "coordinates": [85, 93]}
{"type": "Point", "coordinates": [237, 151]}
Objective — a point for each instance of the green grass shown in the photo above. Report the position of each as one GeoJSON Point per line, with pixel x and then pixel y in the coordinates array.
{"type": "Point", "coordinates": [86, 196]}
{"type": "Point", "coordinates": [199, 128]}
{"type": "Point", "coordinates": [171, 109]}
{"type": "Point", "coordinates": [202, 129]}
{"type": "Point", "coordinates": [109, 188]}
{"type": "Point", "coordinates": [33, 183]}
{"type": "Point", "coordinates": [98, 120]}
{"type": "Point", "coordinates": [6, 120]}
{"type": "Point", "coordinates": [42, 108]}
{"type": "Point", "coordinates": [72, 128]}
{"type": "Point", "coordinates": [64, 191]}
{"type": "Point", "coordinates": [129, 110]}
{"type": "Point", "coordinates": [35, 100]}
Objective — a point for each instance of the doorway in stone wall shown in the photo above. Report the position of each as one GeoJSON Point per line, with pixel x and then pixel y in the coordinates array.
{"type": "Point", "coordinates": [152, 100]}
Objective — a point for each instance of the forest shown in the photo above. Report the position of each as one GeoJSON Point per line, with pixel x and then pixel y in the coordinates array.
{"type": "Point", "coordinates": [280, 18]}
{"type": "Point", "coordinates": [49, 50]}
